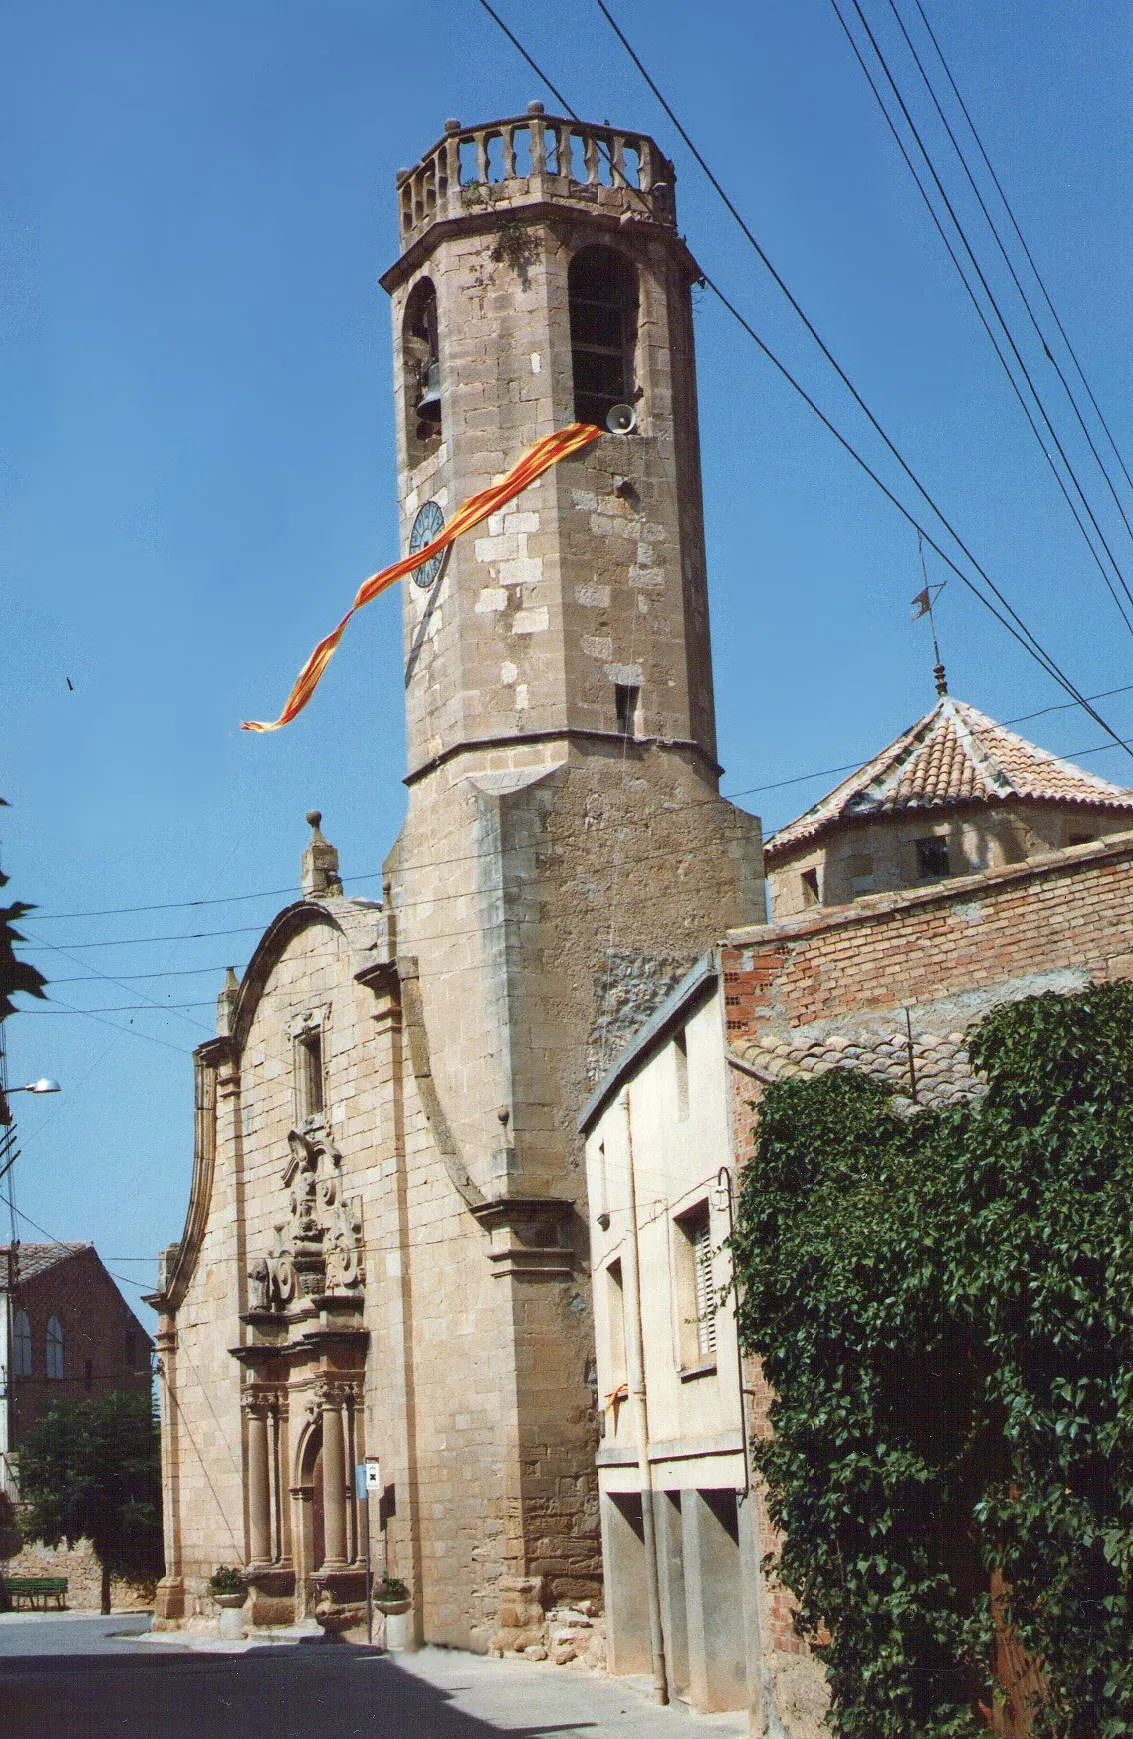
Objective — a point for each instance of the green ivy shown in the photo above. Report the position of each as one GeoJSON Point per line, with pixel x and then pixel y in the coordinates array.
{"type": "Point", "coordinates": [943, 1305]}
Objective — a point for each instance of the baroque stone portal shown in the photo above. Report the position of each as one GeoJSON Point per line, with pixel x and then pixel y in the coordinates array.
{"type": "Point", "coordinates": [319, 1249]}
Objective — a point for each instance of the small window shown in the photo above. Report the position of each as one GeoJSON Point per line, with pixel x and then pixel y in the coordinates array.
{"type": "Point", "coordinates": [932, 859]}
{"type": "Point", "coordinates": [680, 1062]}
{"type": "Point", "coordinates": [21, 1345]}
{"type": "Point", "coordinates": [602, 292]}
{"type": "Point", "coordinates": [1082, 839]}
{"type": "Point", "coordinates": [625, 707]}
{"type": "Point", "coordinates": [809, 880]}
{"type": "Point", "coordinates": [696, 1289]}
{"type": "Point", "coordinates": [309, 1072]}
{"type": "Point", "coordinates": [55, 1348]}
{"type": "Point", "coordinates": [861, 874]}
{"type": "Point", "coordinates": [421, 357]}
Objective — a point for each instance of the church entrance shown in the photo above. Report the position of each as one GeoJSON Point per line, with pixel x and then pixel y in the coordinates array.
{"type": "Point", "coordinates": [311, 1531]}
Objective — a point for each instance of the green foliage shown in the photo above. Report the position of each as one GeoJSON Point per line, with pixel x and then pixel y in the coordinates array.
{"type": "Point", "coordinates": [93, 1468]}
{"type": "Point", "coordinates": [225, 1579]}
{"type": "Point", "coordinates": [15, 974]}
{"type": "Point", "coordinates": [944, 1308]}
{"type": "Point", "coordinates": [518, 248]}
{"type": "Point", "coordinates": [390, 1590]}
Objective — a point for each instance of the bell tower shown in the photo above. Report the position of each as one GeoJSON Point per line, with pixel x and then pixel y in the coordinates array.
{"type": "Point", "coordinates": [542, 281]}
{"type": "Point", "coordinates": [566, 855]}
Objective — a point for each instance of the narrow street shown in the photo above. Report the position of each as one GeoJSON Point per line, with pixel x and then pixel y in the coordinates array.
{"type": "Point", "coordinates": [85, 1677]}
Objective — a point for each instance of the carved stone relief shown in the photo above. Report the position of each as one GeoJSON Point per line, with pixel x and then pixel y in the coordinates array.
{"type": "Point", "coordinates": [318, 1249]}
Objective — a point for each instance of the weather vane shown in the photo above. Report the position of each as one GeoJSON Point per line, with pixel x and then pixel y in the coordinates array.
{"type": "Point", "coordinates": [923, 606]}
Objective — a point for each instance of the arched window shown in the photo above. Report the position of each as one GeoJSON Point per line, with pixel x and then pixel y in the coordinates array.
{"type": "Point", "coordinates": [21, 1345]}
{"type": "Point", "coordinates": [602, 290]}
{"type": "Point", "coordinates": [54, 1347]}
{"type": "Point", "coordinates": [421, 356]}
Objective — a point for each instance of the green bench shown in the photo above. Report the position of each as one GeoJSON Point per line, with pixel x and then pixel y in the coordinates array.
{"type": "Point", "coordinates": [36, 1590]}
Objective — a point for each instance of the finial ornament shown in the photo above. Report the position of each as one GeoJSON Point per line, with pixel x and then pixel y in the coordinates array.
{"type": "Point", "coordinates": [923, 606]}
{"type": "Point", "coordinates": [319, 875]}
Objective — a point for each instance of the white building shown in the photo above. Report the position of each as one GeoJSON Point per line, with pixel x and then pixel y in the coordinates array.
{"type": "Point", "coordinates": [679, 1532]}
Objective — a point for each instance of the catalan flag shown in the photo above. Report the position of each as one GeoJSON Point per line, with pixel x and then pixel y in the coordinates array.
{"type": "Point", "coordinates": [477, 508]}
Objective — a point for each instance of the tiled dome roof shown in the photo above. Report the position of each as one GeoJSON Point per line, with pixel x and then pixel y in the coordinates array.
{"type": "Point", "coordinates": [952, 757]}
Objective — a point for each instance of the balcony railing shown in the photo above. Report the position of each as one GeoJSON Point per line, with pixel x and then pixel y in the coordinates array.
{"type": "Point", "coordinates": [535, 157]}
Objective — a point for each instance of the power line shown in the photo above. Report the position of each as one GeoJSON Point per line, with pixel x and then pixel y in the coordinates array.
{"type": "Point", "coordinates": [106, 977]}
{"type": "Point", "coordinates": [52, 1239]}
{"type": "Point", "coordinates": [469, 857]}
{"type": "Point", "coordinates": [1021, 633]}
{"type": "Point", "coordinates": [150, 1038]}
{"type": "Point", "coordinates": [401, 907]}
{"type": "Point", "coordinates": [132, 977]}
{"type": "Point", "coordinates": [1023, 242]}
{"type": "Point", "coordinates": [181, 905]}
{"type": "Point", "coordinates": [990, 294]}
{"type": "Point", "coordinates": [1029, 642]}
{"type": "Point", "coordinates": [1007, 260]}
{"type": "Point", "coordinates": [635, 860]}
{"type": "Point", "coordinates": [125, 1008]}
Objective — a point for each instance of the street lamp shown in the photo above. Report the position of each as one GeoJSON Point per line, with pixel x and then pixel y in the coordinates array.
{"type": "Point", "coordinates": [44, 1085]}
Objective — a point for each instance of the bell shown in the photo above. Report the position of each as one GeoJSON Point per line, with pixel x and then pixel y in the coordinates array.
{"type": "Point", "coordinates": [429, 404]}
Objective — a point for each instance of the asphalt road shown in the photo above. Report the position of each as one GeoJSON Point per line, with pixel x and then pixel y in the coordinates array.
{"type": "Point", "coordinates": [79, 1677]}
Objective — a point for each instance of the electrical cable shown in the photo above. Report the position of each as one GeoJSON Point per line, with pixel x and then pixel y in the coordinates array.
{"type": "Point", "coordinates": [183, 905]}
{"type": "Point", "coordinates": [126, 1008]}
{"type": "Point", "coordinates": [839, 370]}
{"type": "Point", "coordinates": [472, 857]}
{"type": "Point", "coordinates": [1023, 243]}
{"type": "Point", "coordinates": [990, 294]}
{"type": "Point", "coordinates": [106, 977]}
{"type": "Point", "coordinates": [435, 900]}
{"type": "Point", "coordinates": [1007, 260]}
{"type": "Point", "coordinates": [1025, 637]}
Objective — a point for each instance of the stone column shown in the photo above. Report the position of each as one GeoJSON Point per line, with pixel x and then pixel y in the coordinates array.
{"type": "Point", "coordinates": [259, 1483]}
{"type": "Point", "coordinates": [334, 1477]}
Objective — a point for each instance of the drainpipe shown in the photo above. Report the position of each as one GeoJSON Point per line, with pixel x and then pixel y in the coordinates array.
{"type": "Point", "coordinates": [635, 1362]}
{"type": "Point", "coordinates": [727, 1201]}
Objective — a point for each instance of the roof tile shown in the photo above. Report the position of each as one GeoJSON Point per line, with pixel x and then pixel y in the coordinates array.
{"type": "Point", "coordinates": [953, 755]}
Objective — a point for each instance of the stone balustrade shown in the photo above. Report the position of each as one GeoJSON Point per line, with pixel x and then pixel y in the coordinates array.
{"type": "Point", "coordinates": [531, 158]}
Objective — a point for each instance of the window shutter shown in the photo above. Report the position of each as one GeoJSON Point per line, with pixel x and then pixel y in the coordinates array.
{"type": "Point", "coordinates": [705, 1291]}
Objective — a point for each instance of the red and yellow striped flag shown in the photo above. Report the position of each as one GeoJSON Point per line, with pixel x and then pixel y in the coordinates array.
{"type": "Point", "coordinates": [534, 462]}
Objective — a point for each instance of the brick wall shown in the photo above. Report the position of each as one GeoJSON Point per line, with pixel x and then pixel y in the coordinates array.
{"type": "Point", "coordinates": [96, 1321]}
{"type": "Point", "coordinates": [984, 937]}
{"type": "Point", "coordinates": [948, 953]}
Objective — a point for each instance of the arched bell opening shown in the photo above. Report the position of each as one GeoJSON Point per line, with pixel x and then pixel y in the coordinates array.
{"type": "Point", "coordinates": [603, 294]}
{"type": "Point", "coordinates": [421, 362]}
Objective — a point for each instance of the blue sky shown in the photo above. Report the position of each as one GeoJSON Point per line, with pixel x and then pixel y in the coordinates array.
{"type": "Point", "coordinates": [197, 461]}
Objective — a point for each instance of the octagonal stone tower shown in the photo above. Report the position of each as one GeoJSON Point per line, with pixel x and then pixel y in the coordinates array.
{"type": "Point", "coordinates": [566, 853]}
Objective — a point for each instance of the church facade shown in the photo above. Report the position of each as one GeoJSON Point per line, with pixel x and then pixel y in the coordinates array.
{"type": "Point", "coordinates": [385, 1252]}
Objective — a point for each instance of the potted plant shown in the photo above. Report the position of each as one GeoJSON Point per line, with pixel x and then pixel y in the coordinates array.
{"type": "Point", "coordinates": [227, 1586]}
{"type": "Point", "coordinates": [229, 1589]}
{"type": "Point", "coordinates": [392, 1599]}
{"type": "Point", "coordinates": [391, 1595]}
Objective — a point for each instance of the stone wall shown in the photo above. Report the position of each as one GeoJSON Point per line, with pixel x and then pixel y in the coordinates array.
{"type": "Point", "coordinates": [80, 1566]}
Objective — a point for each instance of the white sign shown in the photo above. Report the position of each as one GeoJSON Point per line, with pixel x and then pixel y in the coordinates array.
{"type": "Point", "coordinates": [373, 1473]}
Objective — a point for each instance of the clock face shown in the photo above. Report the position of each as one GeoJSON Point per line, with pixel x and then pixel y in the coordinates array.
{"type": "Point", "coordinates": [428, 524]}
